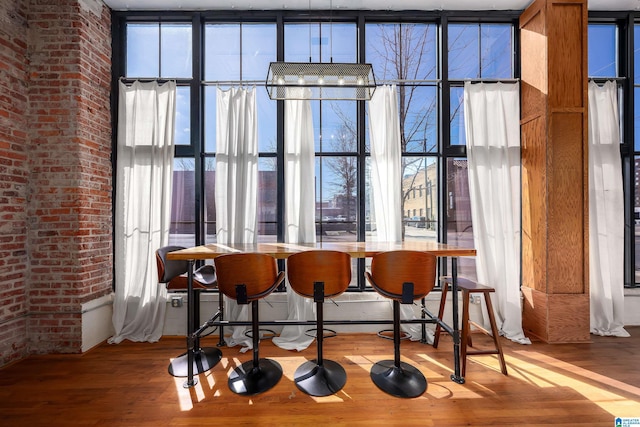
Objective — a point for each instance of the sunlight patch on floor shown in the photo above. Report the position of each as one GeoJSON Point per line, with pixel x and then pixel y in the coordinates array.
{"type": "Point", "coordinates": [604, 393]}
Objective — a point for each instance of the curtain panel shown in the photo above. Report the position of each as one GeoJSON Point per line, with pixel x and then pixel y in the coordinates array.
{"type": "Point", "coordinates": [606, 213]}
{"type": "Point", "coordinates": [386, 181]}
{"type": "Point", "coordinates": [236, 184]}
{"type": "Point", "coordinates": [492, 125]}
{"type": "Point", "coordinates": [144, 172]}
{"type": "Point", "coordinates": [299, 196]}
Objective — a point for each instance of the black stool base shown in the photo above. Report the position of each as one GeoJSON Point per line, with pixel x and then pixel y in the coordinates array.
{"type": "Point", "coordinates": [403, 381]}
{"type": "Point", "coordinates": [318, 380]}
{"type": "Point", "coordinates": [203, 360]}
{"type": "Point", "coordinates": [248, 380]}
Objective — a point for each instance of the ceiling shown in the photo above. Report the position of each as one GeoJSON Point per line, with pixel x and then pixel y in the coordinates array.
{"type": "Point", "coordinates": [350, 4]}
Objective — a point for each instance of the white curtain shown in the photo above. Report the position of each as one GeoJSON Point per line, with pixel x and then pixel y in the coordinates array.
{"type": "Point", "coordinates": [144, 171]}
{"type": "Point", "coordinates": [606, 213]}
{"type": "Point", "coordinates": [492, 124]}
{"type": "Point", "coordinates": [386, 180]}
{"type": "Point", "coordinates": [236, 183]}
{"type": "Point", "coordinates": [299, 174]}
{"type": "Point", "coordinates": [386, 169]}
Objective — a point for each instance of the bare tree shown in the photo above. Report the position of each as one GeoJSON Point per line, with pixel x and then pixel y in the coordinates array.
{"type": "Point", "coordinates": [345, 169]}
{"type": "Point", "coordinates": [406, 54]}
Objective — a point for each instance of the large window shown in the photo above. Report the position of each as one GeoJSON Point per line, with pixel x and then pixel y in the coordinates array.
{"type": "Point", "coordinates": [205, 52]}
{"type": "Point", "coordinates": [239, 54]}
{"type": "Point", "coordinates": [406, 54]}
{"type": "Point", "coordinates": [612, 56]}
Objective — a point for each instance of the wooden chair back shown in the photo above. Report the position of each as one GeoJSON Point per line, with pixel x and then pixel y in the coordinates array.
{"type": "Point", "coordinates": [390, 270]}
{"type": "Point", "coordinates": [257, 272]}
{"type": "Point", "coordinates": [333, 268]}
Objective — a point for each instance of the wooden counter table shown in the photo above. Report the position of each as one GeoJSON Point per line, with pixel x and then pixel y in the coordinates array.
{"type": "Point", "coordinates": [355, 249]}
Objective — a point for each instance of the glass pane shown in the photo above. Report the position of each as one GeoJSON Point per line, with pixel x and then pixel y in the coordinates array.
{"type": "Point", "coordinates": [183, 116]}
{"type": "Point", "coordinates": [222, 52]}
{"type": "Point", "coordinates": [267, 122]}
{"type": "Point", "coordinates": [176, 50]}
{"type": "Point", "coordinates": [338, 127]}
{"type": "Point", "coordinates": [402, 51]}
{"type": "Point", "coordinates": [183, 225]}
{"type": "Point", "coordinates": [336, 198]}
{"type": "Point", "coordinates": [496, 51]}
{"type": "Point", "coordinates": [302, 41]}
{"type": "Point", "coordinates": [343, 46]}
{"type": "Point", "coordinates": [603, 50]}
{"type": "Point", "coordinates": [210, 200]}
{"type": "Point", "coordinates": [267, 199]}
{"type": "Point", "coordinates": [636, 59]}
{"type": "Point", "coordinates": [418, 118]}
{"type": "Point", "coordinates": [258, 50]}
{"type": "Point", "coordinates": [420, 198]}
{"type": "Point", "coordinates": [636, 217]}
{"type": "Point", "coordinates": [210, 119]}
{"type": "Point", "coordinates": [458, 208]}
{"type": "Point", "coordinates": [456, 117]}
{"type": "Point", "coordinates": [143, 41]}
{"type": "Point", "coordinates": [369, 210]}
{"type": "Point", "coordinates": [463, 51]}
{"type": "Point", "coordinates": [636, 118]}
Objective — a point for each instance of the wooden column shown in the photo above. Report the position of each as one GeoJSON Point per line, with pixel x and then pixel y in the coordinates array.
{"type": "Point", "coordinates": [555, 208]}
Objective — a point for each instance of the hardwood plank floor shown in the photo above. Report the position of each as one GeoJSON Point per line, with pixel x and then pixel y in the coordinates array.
{"type": "Point", "coordinates": [128, 385]}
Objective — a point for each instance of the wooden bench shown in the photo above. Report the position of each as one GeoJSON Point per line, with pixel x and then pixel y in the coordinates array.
{"type": "Point", "coordinates": [468, 288]}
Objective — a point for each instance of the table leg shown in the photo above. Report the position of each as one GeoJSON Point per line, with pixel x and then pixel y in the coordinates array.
{"type": "Point", "coordinates": [423, 316]}
{"type": "Point", "coordinates": [190, 382]}
{"type": "Point", "coordinates": [456, 377]}
{"type": "Point", "coordinates": [195, 360]}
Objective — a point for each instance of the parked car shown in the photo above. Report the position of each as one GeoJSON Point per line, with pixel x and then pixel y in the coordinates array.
{"type": "Point", "coordinates": [418, 222]}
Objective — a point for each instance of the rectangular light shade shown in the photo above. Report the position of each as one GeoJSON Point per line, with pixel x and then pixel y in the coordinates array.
{"type": "Point", "coordinates": [324, 81]}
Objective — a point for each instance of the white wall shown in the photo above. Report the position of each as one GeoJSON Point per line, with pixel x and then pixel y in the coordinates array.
{"type": "Point", "coordinates": [97, 325]}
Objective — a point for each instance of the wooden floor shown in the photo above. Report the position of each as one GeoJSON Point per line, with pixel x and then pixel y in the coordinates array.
{"type": "Point", "coordinates": [128, 385]}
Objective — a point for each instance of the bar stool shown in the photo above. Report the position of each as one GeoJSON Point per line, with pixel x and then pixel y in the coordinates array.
{"type": "Point", "coordinates": [319, 274]}
{"type": "Point", "coordinates": [403, 276]}
{"type": "Point", "coordinates": [247, 278]}
{"type": "Point", "coordinates": [469, 287]}
{"type": "Point", "coordinates": [173, 274]}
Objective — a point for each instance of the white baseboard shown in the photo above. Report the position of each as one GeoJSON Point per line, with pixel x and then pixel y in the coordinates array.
{"type": "Point", "coordinates": [97, 323]}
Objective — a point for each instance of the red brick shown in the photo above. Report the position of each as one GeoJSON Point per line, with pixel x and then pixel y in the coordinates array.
{"type": "Point", "coordinates": [55, 129]}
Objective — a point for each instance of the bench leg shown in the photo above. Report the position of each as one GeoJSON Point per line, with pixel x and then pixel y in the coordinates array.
{"type": "Point", "coordinates": [443, 300]}
{"type": "Point", "coordinates": [494, 332]}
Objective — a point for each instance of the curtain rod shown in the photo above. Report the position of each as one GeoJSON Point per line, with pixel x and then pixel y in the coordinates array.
{"type": "Point", "coordinates": [487, 80]}
{"type": "Point", "coordinates": [144, 80]}
{"type": "Point", "coordinates": [605, 79]}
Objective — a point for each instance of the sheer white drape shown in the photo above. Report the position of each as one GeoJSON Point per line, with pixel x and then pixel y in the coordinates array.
{"type": "Point", "coordinates": [606, 213]}
{"type": "Point", "coordinates": [144, 172]}
{"type": "Point", "coordinates": [386, 169]}
{"type": "Point", "coordinates": [236, 183]}
{"type": "Point", "coordinates": [386, 179]}
{"type": "Point", "coordinates": [492, 124]}
{"type": "Point", "coordinates": [299, 196]}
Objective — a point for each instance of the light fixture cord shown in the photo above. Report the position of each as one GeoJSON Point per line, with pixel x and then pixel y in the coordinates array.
{"type": "Point", "coordinates": [309, 31]}
{"type": "Point", "coordinates": [331, 30]}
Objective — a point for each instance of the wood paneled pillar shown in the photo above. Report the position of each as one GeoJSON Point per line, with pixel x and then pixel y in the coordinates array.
{"type": "Point", "coordinates": [555, 208]}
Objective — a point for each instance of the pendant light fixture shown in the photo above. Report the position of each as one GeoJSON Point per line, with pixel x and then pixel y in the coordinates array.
{"type": "Point", "coordinates": [323, 80]}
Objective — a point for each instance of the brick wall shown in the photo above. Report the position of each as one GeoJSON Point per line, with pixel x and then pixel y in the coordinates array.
{"type": "Point", "coordinates": [64, 143]}
{"type": "Point", "coordinates": [14, 171]}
